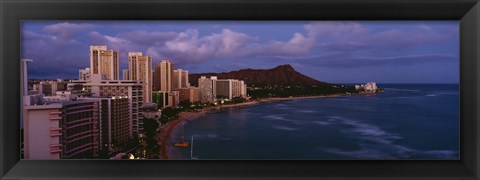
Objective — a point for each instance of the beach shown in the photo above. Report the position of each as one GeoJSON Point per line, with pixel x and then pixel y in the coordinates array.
{"type": "Point", "coordinates": [168, 151]}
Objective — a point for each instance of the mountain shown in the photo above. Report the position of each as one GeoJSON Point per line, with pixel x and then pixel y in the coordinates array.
{"type": "Point", "coordinates": [280, 75]}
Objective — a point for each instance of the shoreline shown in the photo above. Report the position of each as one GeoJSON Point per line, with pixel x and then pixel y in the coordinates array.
{"type": "Point", "coordinates": [167, 132]}
{"type": "Point", "coordinates": [167, 150]}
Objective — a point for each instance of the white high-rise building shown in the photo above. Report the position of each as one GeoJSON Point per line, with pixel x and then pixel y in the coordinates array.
{"type": "Point", "coordinates": [24, 67]}
{"type": "Point", "coordinates": [180, 79]}
{"type": "Point", "coordinates": [140, 68]}
{"type": "Point", "coordinates": [164, 76]}
{"type": "Point", "coordinates": [230, 88]}
{"type": "Point", "coordinates": [104, 62]}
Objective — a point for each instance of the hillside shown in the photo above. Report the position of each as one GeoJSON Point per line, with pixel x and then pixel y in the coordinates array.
{"type": "Point", "coordinates": [280, 75]}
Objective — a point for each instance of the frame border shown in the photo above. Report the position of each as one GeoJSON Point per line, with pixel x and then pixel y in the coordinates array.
{"type": "Point", "coordinates": [14, 11]}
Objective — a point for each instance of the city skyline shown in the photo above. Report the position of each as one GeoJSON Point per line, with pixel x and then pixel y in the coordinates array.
{"type": "Point", "coordinates": [338, 51]}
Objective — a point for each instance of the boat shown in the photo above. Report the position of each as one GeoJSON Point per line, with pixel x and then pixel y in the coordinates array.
{"type": "Point", "coordinates": [182, 143]}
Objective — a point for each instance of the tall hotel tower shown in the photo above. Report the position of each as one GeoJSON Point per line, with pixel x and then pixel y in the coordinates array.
{"type": "Point", "coordinates": [163, 76]}
{"type": "Point", "coordinates": [180, 79]}
{"type": "Point", "coordinates": [104, 62]}
{"type": "Point", "coordinates": [140, 68]}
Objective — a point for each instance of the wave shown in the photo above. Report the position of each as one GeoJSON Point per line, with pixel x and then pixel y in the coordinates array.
{"type": "Point", "coordinates": [395, 89]}
{"type": "Point", "coordinates": [322, 123]}
{"type": "Point", "coordinates": [284, 128]}
{"type": "Point", "coordinates": [392, 152]}
{"type": "Point", "coordinates": [380, 144]}
{"type": "Point", "coordinates": [277, 117]}
{"type": "Point", "coordinates": [306, 111]}
{"type": "Point", "coordinates": [441, 154]}
{"type": "Point", "coordinates": [361, 153]}
{"type": "Point", "coordinates": [369, 132]}
{"type": "Point", "coordinates": [203, 136]}
{"type": "Point", "coordinates": [442, 93]}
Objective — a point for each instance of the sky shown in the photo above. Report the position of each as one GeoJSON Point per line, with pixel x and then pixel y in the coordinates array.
{"type": "Point", "coordinates": [329, 51]}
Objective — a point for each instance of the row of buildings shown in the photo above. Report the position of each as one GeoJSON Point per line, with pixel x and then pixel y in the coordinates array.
{"type": "Point", "coordinates": [100, 112]}
{"type": "Point", "coordinates": [369, 88]}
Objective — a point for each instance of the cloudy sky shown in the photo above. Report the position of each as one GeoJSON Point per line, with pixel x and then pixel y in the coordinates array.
{"type": "Point", "coordinates": [330, 51]}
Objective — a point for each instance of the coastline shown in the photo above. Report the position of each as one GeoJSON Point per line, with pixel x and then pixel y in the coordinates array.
{"type": "Point", "coordinates": [168, 130]}
{"type": "Point", "coordinates": [167, 151]}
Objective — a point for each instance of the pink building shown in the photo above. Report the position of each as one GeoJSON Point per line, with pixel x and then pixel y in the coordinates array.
{"type": "Point", "coordinates": [61, 130]}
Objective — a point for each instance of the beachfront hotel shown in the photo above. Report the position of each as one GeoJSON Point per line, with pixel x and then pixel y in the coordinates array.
{"type": "Point", "coordinates": [207, 89]}
{"type": "Point", "coordinates": [114, 114]}
{"type": "Point", "coordinates": [104, 62]}
{"type": "Point", "coordinates": [98, 87]}
{"type": "Point", "coordinates": [140, 68]}
{"type": "Point", "coordinates": [60, 130]}
{"type": "Point", "coordinates": [163, 76]}
{"type": "Point", "coordinates": [230, 88]}
{"type": "Point", "coordinates": [211, 88]}
{"type": "Point", "coordinates": [180, 79]}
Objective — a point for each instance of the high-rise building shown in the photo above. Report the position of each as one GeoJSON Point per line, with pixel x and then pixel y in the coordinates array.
{"type": "Point", "coordinates": [111, 88]}
{"type": "Point", "coordinates": [104, 62]}
{"type": "Point", "coordinates": [60, 130]}
{"type": "Point", "coordinates": [207, 88]}
{"type": "Point", "coordinates": [237, 88]}
{"type": "Point", "coordinates": [25, 76]}
{"type": "Point", "coordinates": [113, 126]}
{"type": "Point", "coordinates": [191, 94]}
{"type": "Point", "coordinates": [180, 79]}
{"type": "Point", "coordinates": [164, 76]}
{"type": "Point", "coordinates": [125, 74]}
{"type": "Point", "coordinates": [84, 74]}
{"type": "Point", "coordinates": [140, 68]}
{"type": "Point", "coordinates": [224, 88]}
{"type": "Point", "coordinates": [230, 88]}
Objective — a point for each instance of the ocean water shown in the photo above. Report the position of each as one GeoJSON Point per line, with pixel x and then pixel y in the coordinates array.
{"type": "Point", "coordinates": [407, 121]}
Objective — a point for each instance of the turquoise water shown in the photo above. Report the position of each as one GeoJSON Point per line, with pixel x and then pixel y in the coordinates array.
{"type": "Point", "coordinates": [415, 121]}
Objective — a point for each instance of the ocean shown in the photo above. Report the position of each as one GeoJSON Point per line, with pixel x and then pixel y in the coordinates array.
{"type": "Point", "coordinates": [407, 121]}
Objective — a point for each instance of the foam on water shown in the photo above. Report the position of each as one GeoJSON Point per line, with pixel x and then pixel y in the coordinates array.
{"type": "Point", "coordinates": [285, 128]}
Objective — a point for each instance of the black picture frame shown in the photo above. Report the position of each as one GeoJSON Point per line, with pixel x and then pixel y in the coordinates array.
{"type": "Point", "coordinates": [12, 12]}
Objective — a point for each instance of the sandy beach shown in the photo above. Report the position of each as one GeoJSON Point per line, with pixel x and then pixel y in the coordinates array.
{"type": "Point", "coordinates": [168, 151]}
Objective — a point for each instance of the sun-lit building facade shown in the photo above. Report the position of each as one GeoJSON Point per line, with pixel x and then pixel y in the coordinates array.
{"type": "Point", "coordinates": [140, 68]}
{"type": "Point", "coordinates": [104, 62]}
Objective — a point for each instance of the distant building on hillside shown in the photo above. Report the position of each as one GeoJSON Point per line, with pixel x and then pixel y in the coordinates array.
{"type": "Point", "coordinates": [369, 88]}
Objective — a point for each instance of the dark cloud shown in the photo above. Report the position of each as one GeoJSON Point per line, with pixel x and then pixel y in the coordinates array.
{"type": "Point", "coordinates": [55, 53]}
{"type": "Point", "coordinates": [144, 38]}
{"type": "Point", "coordinates": [353, 44]}
{"type": "Point", "coordinates": [344, 60]}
